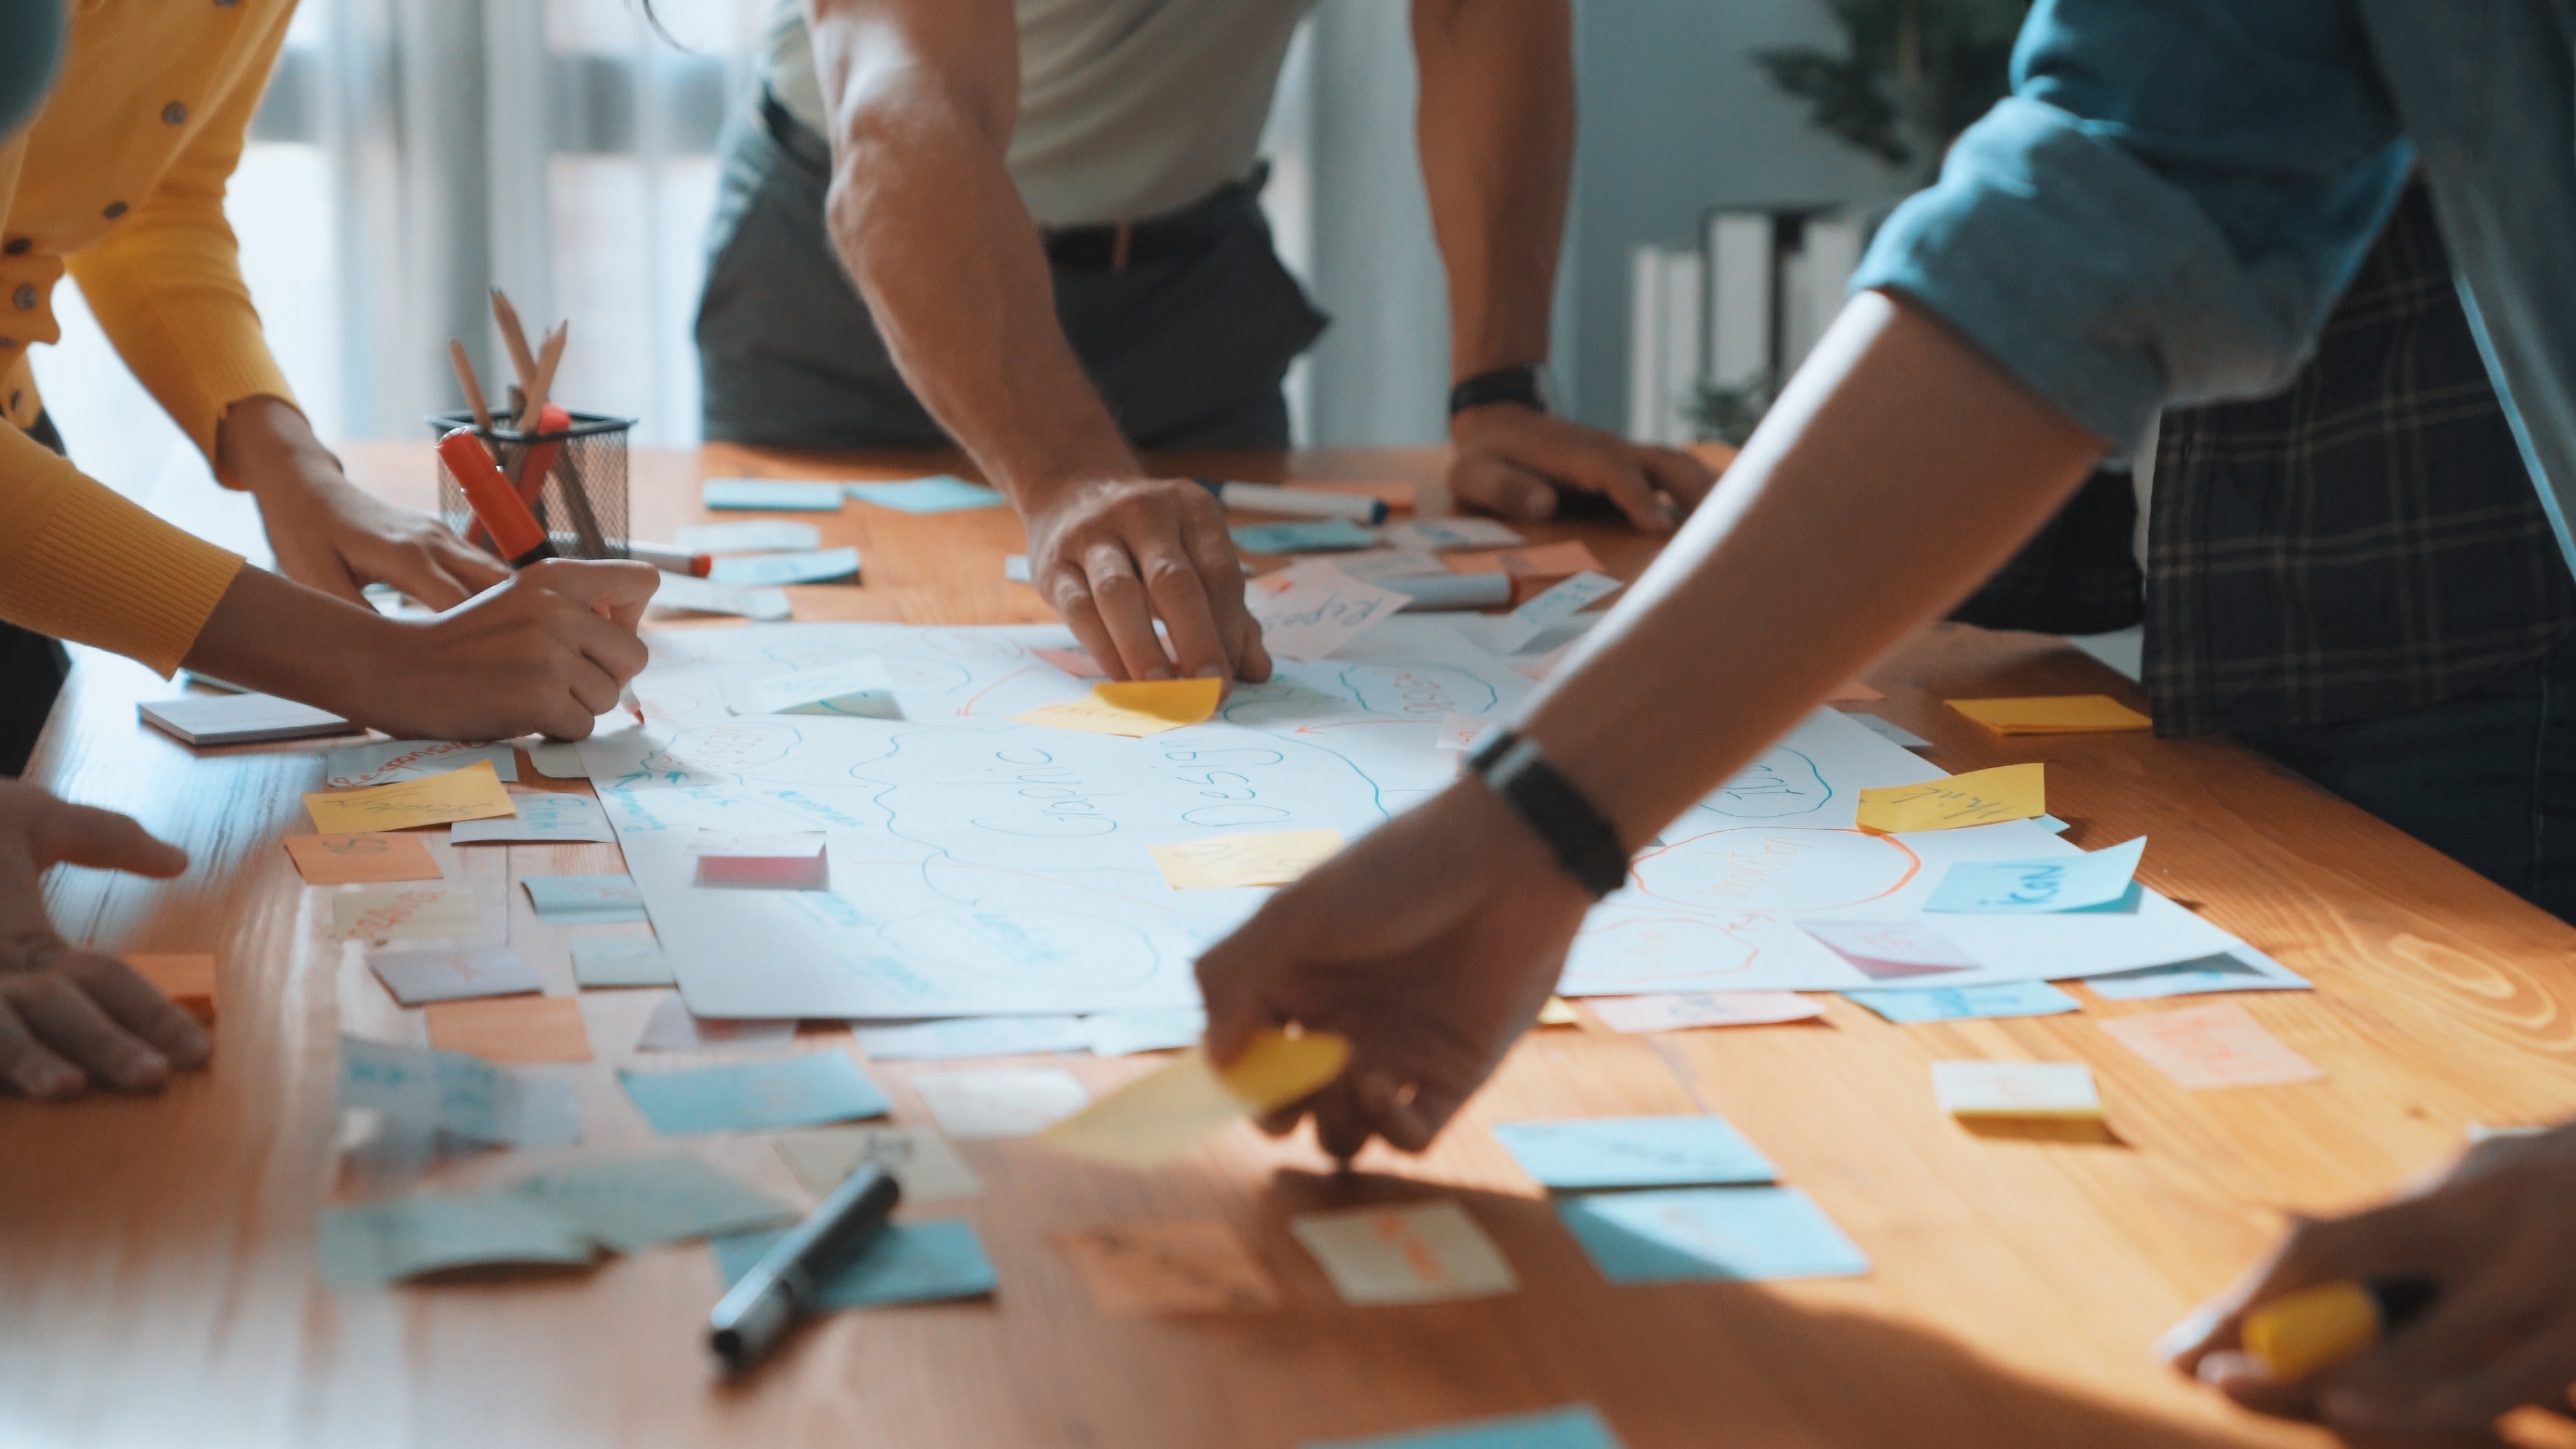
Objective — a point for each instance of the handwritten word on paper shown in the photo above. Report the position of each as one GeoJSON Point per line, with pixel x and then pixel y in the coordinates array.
{"type": "Point", "coordinates": [1634, 1152]}
{"type": "Point", "coordinates": [519, 1029]}
{"type": "Point", "coordinates": [2212, 1046]}
{"type": "Point", "coordinates": [544, 815]}
{"type": "Point", "coordinates": [358, 767]}
{"type": "Point", "coordinates": [357, 859]}
{"type": "Point", "coordinates": [1684, 1010]}
{"type": "Point", "coordinates": [1891, 950]}
{"type": "Point", "coordinates": [1134, 708]}
{"type": "Point", "coordinates": [807, 1090]}
{"type": "Point", "coordinates": [929, 1169]}
{"type": "Point", "coordinates": [2017, 1090]}
{"type": "Point", "coordinates": [1508, 634]}
{"type": "Point", "coordinates": [1735, 1234]}
{"type": "Point", "coordinates": [1140, 1270]}
{"type": "Point", "coordinates": [471, 793]}
{"type": "Point", "coordinates": [1271, 858]}
{"type": "Point", "coordinates": [1311, 609]}
{"type": "Point", "coordinates": [1007, 1103]}
{"type": "Point", "coordinates": [2063, 714]}
{"type": "Point", "coordinates": [1980, 797]}
{"type": "Point", "coordinates": [1547, 561]}
{"type": "Point", "coordinates": [1157, 1117]}
{"type": "Point", "coordinates": [419, 977]}
{"type": "Point", "coordinates": [1426, 1253]}
{"type": "Point", "coordinates": [2035, 887]}
{"type": "Point", "coordinates": [404, 913]}
{"type": "Point", "coordinates": [435, 1091]}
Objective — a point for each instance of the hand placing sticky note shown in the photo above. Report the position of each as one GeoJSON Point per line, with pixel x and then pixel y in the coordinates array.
{"type": "Point", "coordinates": [1133, 708]}
{"type": "Point", "coordinates": [2073, 882]}
{"type": "Point", "coordinates": [2062, 714]}
{"type": "Point", "coordinates": [1155, 1118]}
{"type": "Point", "coordinates": [1980, 797]}
{"type": "Point", "coordinates": [472, 793]}
{"type": "Point", "coordinates": [1271, 858]}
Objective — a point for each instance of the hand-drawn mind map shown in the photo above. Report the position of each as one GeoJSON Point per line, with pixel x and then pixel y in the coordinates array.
{"type": "Point", "coordinates": [983, 867]}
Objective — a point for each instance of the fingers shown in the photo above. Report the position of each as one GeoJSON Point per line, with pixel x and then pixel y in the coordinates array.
{"type": "Point", "coordinates": [2316, 1251]}
{"type": "Point", "coordinates": [418, 568]}
{"type": "Point", "coordinates": [1172, 582]}
{"type": "Point", "coordinates": [1407, 1115]}
{"type": "Point", "coordinates": [471, 567]}
{"type": "Point", "coordinates": [1220, 577]}
{"type": "Point", "coordinates": [135, 1004]}
{"type": "Point", "coordinates": [1122, 601]}
{"type": "Point", "coordinates": [1686, 478]}
{"type": "Point", "coordinates": [1070, 592]}
{"type": "Point", "coordinates": [71, 1025]}
{"type": "Point", "coordinates": [1484, 481]}
{"type": "Point", "coordinates": [31, 1067]}
{"type": "Point", "coordinates": [81, 835]}
{"type": "Point", "coordinates": [2536, 1370]}
{"type": "Point", "coordinates": [615, 589]}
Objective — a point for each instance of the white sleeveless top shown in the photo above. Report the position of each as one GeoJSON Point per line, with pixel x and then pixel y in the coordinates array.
{"type": "Point", "coordinates": [1128, 108]}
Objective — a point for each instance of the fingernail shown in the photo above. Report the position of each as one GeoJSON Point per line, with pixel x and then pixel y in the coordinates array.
{"type": "Point", "coordinates": [189, 1046]}
{"type": "Point", "coordinates": [2219, 1367]}
{"type": "Point", "coordinates": [2194, 1327]}
{"type": "Point", "coordinates": [1209, 671]}
{"type": "Point", "coordinates": [141, 1070]}
{"type": "Point", "coordinates": [49, 1082]}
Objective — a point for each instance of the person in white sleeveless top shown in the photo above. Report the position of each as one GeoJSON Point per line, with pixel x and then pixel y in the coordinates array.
{"type": "Point", "coordinates": [1030, 229]}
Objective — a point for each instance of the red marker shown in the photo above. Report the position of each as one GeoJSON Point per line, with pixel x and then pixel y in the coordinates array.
{"type": "Point", "coordinates": [496, 505]}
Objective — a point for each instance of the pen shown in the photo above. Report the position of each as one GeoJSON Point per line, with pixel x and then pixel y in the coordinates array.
{"type": "Point", "coordinates": [669, 558]}
{"type": "Point", "coordinates": [1303, 502]}
{"type": "Point", "coordinates": [515, 531]}
{"type": "Point", "coordinates": [2316, 1329]}
{"type": "Point", "coordinates": [750, 1318]}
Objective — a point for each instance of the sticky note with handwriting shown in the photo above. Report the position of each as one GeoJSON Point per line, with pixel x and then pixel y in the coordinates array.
{"type": "Point", "coordinates": [2017, 1090]}
{"type": "Point", "coordinates": [1980, 797]}
{"type": "Point", "coordinates": [2220, 1045]}
{"type": "Point", "coordinates": [510, 1029]}
{"type": "Point", "coordinates": [471, 793]}
{"type": "Point", "coordinates": [361, 858]}
{"type": "Point", "coordinates": [544, 815]}
{"type": "Point", "coordinates": [405, 913]}
{"type": "Point", "coordinates": [929, 1168]}
{"type": "Point", "coordinates": [806, 1090]}
{"type": "Point", "coordinates": [2053, 714]}
{"type": "Point", "coordinates": [1142, 1270]}
{"type": "Point", "coordinates": [1734, 1234]}
{"type": "Point", "coordinates": [1599, 1152]}
{"type": "Point", "coordinates": [2074, 882]}
{"type": "Point", "coordinates": [1418, 1253]}
{"type": "Point", "coordinates": [1159, 1116]}
{"type": "Point", "coordinates": [1308, 610]}
{"type": "Point", "coordinates": [386, 762]}
{"type": "Point", "coordinates": [1134, 708]}
{"type": "Point", "coordinates": [1267, 858]}
{"type": "Point", "coordinates": [435, 1091]}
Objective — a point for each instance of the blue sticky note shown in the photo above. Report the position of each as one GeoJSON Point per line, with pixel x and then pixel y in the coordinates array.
{"type": "Point", "coordinates": [942, 494]}
{"type": "Point", "coordinates": [1578, 1427]}
{"type": "Point", "coordinates": [1634, 1152]}
{"type": "Point", "coordinates": [799, 1091]}
{"type": "Point", "coordinates": [1957, 1003]}
{"type": "Point", "coordinates": [1324, 535]}
{"type": "Point", "coordinates": [2220, 972]}
{"type": "Point", "coordinates": [771, 495]}
{"type": "Point", "coordinates": [2032, 887]}
{"type": "Point", "coordinates": [585, 900]}
{"type": "Point", "coordinates": [908, 1263]}
{"type": "Point", "coordinates": [1737, 1234]}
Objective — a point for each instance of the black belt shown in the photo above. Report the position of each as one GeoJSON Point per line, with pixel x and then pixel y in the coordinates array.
{"type": "Point", "coordinates": [1114, 246]}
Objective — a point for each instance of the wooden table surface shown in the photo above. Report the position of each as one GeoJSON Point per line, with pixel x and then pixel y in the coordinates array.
{"type": "Point", "coordinates": [160, 1288]}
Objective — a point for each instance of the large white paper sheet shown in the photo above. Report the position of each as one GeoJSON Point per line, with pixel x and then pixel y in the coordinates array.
{"type": "Point", "coordinates": [982, 867]}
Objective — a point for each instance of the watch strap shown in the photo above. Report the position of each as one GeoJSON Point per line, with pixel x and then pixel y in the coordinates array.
{"type": "Point", "coordinates": [1520, 383]}
{"type": "Point", "coordinates": [1584, 842]}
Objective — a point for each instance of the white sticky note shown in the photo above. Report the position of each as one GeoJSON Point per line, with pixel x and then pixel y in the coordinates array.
{"type": "Point", "coordinates": [772, 495]}
{"type": "Point", "coordinates": [1418, 1253]}
{"type": "Point", "coordinates": [811, 566]}
{"type": "Point", "coordinates": [750, 535]}
{"type": "Point", "coordinates": [699, 596]}
{"type": "Point", "coordinates": [1000, 1103]}
{"type": "Point", "coordinates": [1309, 610]}
{"type": "Point", "coordinates": [557, 761]}
{"type": "Point", "coordinates": [2016, 1089]}
{"type": "Point", "coordinates": [1507, 634]}
{"type": "Point", "coordinates": [240, 719]}
{"type": "Point", "coordinates": [854, 686]}
{"type": "Point", "coordinates": [1015, 568]}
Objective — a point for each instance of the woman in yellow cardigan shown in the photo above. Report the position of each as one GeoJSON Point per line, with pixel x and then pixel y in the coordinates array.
{"type": "Point", "coordinates": [120, 178]}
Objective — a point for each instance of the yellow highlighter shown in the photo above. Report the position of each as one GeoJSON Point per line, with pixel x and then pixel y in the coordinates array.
{"type": "Point", "coordinates": [2317, 1328]}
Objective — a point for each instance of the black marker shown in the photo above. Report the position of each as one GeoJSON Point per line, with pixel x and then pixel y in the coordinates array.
{"type": "Point", "coordinates": [771, 1297]}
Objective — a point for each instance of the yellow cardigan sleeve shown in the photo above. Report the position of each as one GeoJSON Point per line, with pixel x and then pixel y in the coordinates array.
{"type": "Point", "coordinates": [166, 284]}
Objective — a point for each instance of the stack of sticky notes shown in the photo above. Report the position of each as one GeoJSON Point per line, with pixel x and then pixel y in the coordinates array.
{"type": "Point", "coordinates": [1988, 1092]}
{"type": "Point", "coordinates": [240, 719]}
{"type": "Point", "coordinates": [2061, 714]}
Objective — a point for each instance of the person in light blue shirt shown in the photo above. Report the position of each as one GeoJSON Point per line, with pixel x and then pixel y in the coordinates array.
{"type": "Point", "coordinates": [2164, 212]}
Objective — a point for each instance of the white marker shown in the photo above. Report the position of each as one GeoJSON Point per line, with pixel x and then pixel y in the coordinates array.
{"type": "Point", "coordinates": [1303, 502]}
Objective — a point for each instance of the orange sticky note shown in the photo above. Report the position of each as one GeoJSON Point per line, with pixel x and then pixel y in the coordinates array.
{"type": "Point", "coordinates": [367, 857]}
{"type": "Point", "coordinates": [1544, 561]}
{"type": "Point", "coordinates": [1979, 797]}
{"type": "Point", "coordinates": [188, 980]}
{"type": "Point", "coordinates": [1139, 1270]}
{"type": "Point", "coordinates": [472, 793]}
{"type": "Point", "coordinates": [2057, 714]}
{"type": "Point", "coordinates": [1135, 708]}
{"type": "Point", "coordinates": [511, 1028]}
{"type": "Point", "coordinates": [2212, 1046]}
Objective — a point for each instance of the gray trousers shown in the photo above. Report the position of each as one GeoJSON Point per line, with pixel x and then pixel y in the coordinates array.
{"type": "Point", "coordinates": [1188, 350]}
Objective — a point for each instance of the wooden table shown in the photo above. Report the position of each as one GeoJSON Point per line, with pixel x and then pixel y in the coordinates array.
{"type": "Point", "coordinates": [156, 1254]}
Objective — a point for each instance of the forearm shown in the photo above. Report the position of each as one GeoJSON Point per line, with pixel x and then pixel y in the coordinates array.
{"type": "Point", "coordinates": [1897, 472]}
{"type": "Point", "coordinates": [282, 638]}
{"type": "Point", "coordinates": [1496, 132]}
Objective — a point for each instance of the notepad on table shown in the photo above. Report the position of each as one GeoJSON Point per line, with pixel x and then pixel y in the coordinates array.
{"type": "Point", "coordinates": [240, 719]}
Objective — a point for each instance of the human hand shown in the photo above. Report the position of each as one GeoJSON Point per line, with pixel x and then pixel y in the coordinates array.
{"type": "Point", "coordinates": [547, 651]}
{"type": "Point", "coordinates": [1431, 945]}
{"type": "Point", "coordinates": [2497, 1232]}
{"type": "Point", "coordinates": [327, 533]}
{"type": "Point", "coordinates": [1513, 461]}
{"type": "Point", "coordinates": [69, 1017]}
{"type": "Point", "coordinates": [1114, 555]}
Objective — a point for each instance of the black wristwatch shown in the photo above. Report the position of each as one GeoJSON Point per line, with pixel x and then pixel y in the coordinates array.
{"type": "Point", "coordinates": [1522, 383]}
{"type": "Point", "coordinates": [1584, 843]}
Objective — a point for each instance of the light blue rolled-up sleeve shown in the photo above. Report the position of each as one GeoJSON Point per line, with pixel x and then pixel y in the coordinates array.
{"type": "Point", "coordinates": [2164, 210]}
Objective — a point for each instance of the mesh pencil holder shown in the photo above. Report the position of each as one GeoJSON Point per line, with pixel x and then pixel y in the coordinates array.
{"type": "Point", "coordinates": [582, 500]}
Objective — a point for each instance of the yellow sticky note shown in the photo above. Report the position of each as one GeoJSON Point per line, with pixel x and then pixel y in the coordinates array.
{"type": "Point", "coordinates": [1135, 708]}
{"type": "Point", "coordinates": [1155, 1118]}
{"type": "Point", "coordinates": [2059, 714]}
{"type": "Point", "coordinates": [1268, 859]}
{"type": "Point", "coordinates": [473, 793]}
{"type": "Point", "coordinates": [1979, 797]}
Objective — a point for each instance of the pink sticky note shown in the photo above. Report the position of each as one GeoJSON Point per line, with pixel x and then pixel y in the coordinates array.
{"type": "Point", "coordinates": [784, 862]}
{"type": "Point", "coordinates": [2212, 1046]}
{"type": "Point", "coordinates": [1680, 1011]}
{"type": "Point", "coordinates": [1890, 950]}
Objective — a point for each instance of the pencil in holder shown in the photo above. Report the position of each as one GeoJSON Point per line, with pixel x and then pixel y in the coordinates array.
{"type": "Point", "coordinates": [580, 496]}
